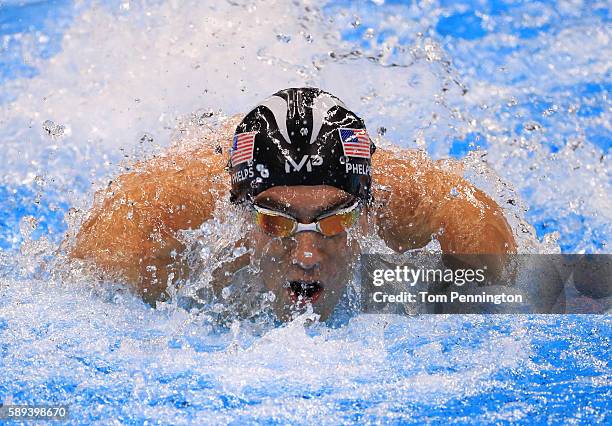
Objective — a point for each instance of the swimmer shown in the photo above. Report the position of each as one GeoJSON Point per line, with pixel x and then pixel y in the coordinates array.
{"type": "Point", "coordinates": [303, 164]}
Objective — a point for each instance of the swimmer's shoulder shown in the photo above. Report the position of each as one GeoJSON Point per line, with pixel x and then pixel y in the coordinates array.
{"type": "Point", "coordinates": [196, 161]}
{"type": "Point", "coordinates": [392, 164]}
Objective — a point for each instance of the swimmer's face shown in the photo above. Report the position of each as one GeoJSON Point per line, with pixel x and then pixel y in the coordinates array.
{"type": "Point", "coordinates": [308, 267]}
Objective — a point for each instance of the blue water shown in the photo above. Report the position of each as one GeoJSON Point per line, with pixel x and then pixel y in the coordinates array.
{"type": "Point", "coordinates": [561, 376]}
{"type": "Point", "coordinates": [527, 82]}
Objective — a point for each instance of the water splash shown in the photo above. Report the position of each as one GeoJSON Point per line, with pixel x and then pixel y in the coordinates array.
{"type": "Point", "coordinates": [528, 114]}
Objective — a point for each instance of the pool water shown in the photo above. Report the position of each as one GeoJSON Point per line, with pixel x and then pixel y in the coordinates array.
{"type": "Point", "coordinates": [517, 90]}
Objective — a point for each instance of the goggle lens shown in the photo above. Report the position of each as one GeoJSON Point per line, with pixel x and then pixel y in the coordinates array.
{"type": "Point", "coordinates": [338, 223]}
{"type": "Point", "coordinates": [277, 226]}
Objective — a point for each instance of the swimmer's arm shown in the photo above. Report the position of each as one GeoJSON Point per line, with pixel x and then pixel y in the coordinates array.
{"type": "Point", "coordinates": [423, 199]}
{"type": "Point", "coordinates": [131, 232]}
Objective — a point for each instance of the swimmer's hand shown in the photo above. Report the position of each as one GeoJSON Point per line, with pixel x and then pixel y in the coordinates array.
{"type": "Point", "coordinates": [419, 199]}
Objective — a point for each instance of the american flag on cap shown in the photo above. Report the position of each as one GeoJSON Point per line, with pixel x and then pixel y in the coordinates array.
{"type": "Point", "coordinates": [355, 142]}
{"type": "Point", "coordinates": [242, 148]}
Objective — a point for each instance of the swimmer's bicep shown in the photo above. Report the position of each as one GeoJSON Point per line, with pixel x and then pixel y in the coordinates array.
{"type": "Point", "coordinates": [433, 202]}
{"type": "Point", "coordinates": [126, 237]}
{"type": "Point", "coordinates": [464, 218]}
{"type": "Point", "coordinates": [426, 199]}
{"type": "Point", "coordinates": [111, 234]}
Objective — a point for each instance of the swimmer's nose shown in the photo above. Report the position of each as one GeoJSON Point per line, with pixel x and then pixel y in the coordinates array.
{"type": "Point", "coordinates": [306, 253]}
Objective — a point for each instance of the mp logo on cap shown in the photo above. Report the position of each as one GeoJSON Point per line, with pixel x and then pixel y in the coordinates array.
{"type": "Point", "coordinates": [307, 160]}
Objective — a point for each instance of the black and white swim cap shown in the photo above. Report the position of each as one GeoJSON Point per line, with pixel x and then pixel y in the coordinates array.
{"type": "Point", "coordinates": [300, 136]}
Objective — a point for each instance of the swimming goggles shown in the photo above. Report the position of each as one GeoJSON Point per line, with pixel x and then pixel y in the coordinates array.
{"type": "Point", "coordinates": [278, 224]}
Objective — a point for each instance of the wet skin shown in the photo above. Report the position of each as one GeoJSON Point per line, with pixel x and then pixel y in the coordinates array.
{"type": "Point", "coordinates": [131, 233]}
{"type": "Point", "coordinates": [319, 267]}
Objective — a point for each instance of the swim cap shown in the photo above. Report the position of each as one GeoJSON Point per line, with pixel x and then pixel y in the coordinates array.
{"type": "Point", "coordinates": [300, 136]}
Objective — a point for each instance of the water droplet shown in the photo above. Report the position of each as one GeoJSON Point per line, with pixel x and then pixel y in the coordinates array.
{"type": "Point", "coordinates": [27, 225]}
{"type": "Point", "coordinates": [454, 192]}
{"type": "Point", "coordinates": [202, 118]}
{"type": "Point", "coordinates": [550, 111]}
{"type": "Point", "coordinates": [285, 38]}
{"type": "Point", "coordinates": [531, 126]}
{"type": "Point", "coordinates": [52, 129]}
{"type": "Point", "coordinates": [551, 238]}
{"type": "Point", "coordinates": [356, 22]}
{"type": "Point", "coordinates": [226, 292]}
{"type": "Point", "coordinates": [239, 251]}
{"type": "Point", "coordinates": [146, 137]}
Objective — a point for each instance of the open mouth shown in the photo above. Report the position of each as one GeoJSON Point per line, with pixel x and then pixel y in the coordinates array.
{"type": "Point", "coordinates": [305, 290]}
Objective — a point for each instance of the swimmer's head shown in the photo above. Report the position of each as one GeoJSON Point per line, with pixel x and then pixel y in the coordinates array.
{"type": "Point", "coordinates": [302, 160]}
{"type": "Point", "coordinates": [300, 136]}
